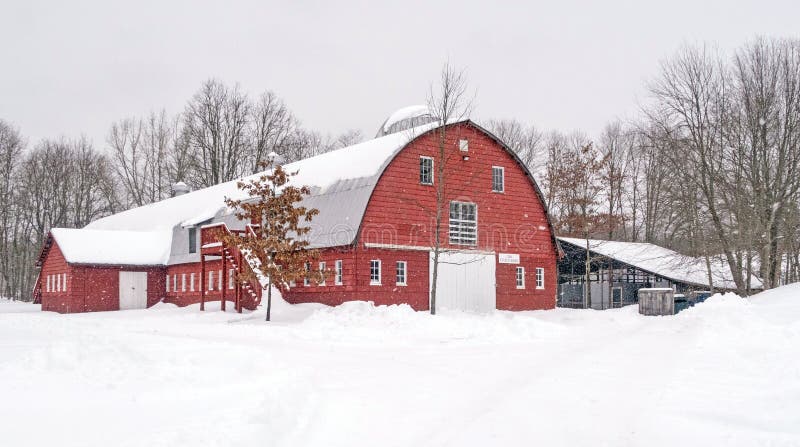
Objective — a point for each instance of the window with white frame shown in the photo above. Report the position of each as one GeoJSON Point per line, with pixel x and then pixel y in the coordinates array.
{"type": "Point", "coordinates": [463, 223]}
{"type": "Point", "coordinates": [498, 179]}
{"type": "Point", "coordinates": [463, 145]}
{"type": "Point", "coordinates": [231, 278]}
{"type": "Point", "coordinates": [48, 283]}
{"type": "Point", "coordinates": [322, 268]}
{"type": "Point", "coordinates": [210, 280]}
{"type": "Point", "coordinates": [338, 277]}
{"type": "Point", "coordinates": [64, 282]}
{"type": "Point", "coordinates": [306, 280]}
{"type": "Point", "coordinates": [58, 283]}
{"type": "Point", "coordinates": [539, 278]}
{"type": "Point", "coordinates": [219, 279]}
{"type": "Point", "coordinates": [426, 170]}
{"type": "Point", "coordinates": [520, 277]}
{"type": "Point", "coordinates": [375, 272]}
{"type": "Point", "coordinates": [175, 282]}
{"type": "Point", "coordinates": [167, 283]}
{"type": "Point", "coordinates": [191, 282]}
{"type": "Point", "coordinates": [183, 282]}
{"type": "Point", "coordinates": [400, 272]}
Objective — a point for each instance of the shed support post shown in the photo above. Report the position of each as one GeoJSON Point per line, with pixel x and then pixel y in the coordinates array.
{"type": "Point", "coordinates": [202, 282]}
{"type": "Point", "coordinates": [224, 282]}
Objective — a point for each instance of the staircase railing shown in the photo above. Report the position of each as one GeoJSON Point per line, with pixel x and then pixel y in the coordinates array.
{"type": "Point", "coordinates": [251, 289]}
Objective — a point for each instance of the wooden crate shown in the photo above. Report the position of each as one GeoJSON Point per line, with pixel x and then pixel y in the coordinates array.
{"type": "Point", "coordinates": [656, 301]}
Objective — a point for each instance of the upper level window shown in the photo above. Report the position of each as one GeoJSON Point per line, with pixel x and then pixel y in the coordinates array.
{"type": "Point", "coordinates": [338, 278]}
{"type": "Point", "coordinates": [463, 223]}
{"type": "Point", "coordinates": [498, 179]}
{"type": "Point", "coordinates": [463, 145]}
{"type": "Point", "coordinates": [193, 240]}
{"type": "Point", "coordinates": [426, 170]}
{"type": "Point", "coordinates": [375, 272]}
{"type": "Point", "coordinates": [520, 277]}
{"type": "Point", "coordinates": [539, 278]}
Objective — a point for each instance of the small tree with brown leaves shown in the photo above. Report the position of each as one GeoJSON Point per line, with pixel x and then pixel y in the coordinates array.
{"type": "Point", "coordinates": [278, 251]}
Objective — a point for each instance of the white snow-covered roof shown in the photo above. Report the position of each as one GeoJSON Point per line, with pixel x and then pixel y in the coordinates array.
{"type": "Point", "coordinates": [662, 262]}
{"type": "Point", "coordinates": [341, 184]}
{"type": "Point", "coordinates": [406, 118]}
{"type": "Point", "coordinates": [83, 246]}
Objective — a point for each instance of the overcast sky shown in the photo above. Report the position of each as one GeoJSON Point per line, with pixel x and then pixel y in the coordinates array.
{"type": "Point", "coordinates": [68, 68]}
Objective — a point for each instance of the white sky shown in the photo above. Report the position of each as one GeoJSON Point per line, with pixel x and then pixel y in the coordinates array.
{"type": "Point", "coordinates": [68, 68]}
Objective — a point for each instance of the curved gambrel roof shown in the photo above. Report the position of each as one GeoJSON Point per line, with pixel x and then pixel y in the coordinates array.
{"type": "Point", "coordinates": [341, 183]}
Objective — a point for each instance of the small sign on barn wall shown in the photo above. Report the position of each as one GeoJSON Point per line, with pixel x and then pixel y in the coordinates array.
{"type": "Point", "coordinates": [508, 258]}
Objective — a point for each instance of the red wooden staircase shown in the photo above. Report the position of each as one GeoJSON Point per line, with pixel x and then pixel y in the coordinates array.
{"type": "Point", "coordinates": [247, 293]}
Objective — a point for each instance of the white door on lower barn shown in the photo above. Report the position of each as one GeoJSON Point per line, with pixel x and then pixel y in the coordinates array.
{"type": "Point", "coordinates": [132, 290]}
{"type": "Point", "coordinates": [466, 281]}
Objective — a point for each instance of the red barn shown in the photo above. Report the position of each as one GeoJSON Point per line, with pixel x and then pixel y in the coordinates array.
{"type": "Point", "coordinates": [375, 231]}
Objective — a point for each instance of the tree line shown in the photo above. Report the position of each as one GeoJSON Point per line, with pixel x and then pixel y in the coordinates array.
{"type": "Point", "coordinates": [220, 135]}
{"type": "Point", "coordinates": [709, 166]}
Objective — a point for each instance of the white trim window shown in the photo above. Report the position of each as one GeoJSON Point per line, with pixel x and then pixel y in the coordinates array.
{"type": "Point", "coordinates": [191, 282]}
{"type": "Point", "coordinates": [425, 170]}
{"type": "Point", "coordinates": [210, 280]}
{"type": "Point", "coordinates": [339, 273]}
{"type": "Point", "coordinates": [322, 268]}
{"type": "Point", "coordinates": [498, 179]}
{"type": "Point", "coordinates": [520, 277]}
{"type": "Point", "coordinates": [401, 269]}
{"type": "Point", "coordinates": [231, 278]}
{"type": "Point", "coordinates": [463, 223]}
{"type": "Point", "coordinates": [58, 283]}
{"type": "Point", "coordinates": [375, 272]}
{"type": "Point", "coordinates": [48, 283]}
{"type": "Point", "coordinates": [64, 283]}
{"type": "Point", "coordinates": [167, 283]}
{"type": "Point", "coordinates": [306, 280]}
{"type": "Point", "coordinates": [539, 277]}
{"type": "Point", "coordinates": [463, 145]}
{"type": "Point", "coordinates": [183, 282]}
{"type": "Point", "coordinates": [219, 279]}
{"type": "Point", "coordinates": [174, 282]}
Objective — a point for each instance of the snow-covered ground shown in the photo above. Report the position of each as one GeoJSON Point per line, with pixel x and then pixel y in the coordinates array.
{"type": "Point", "coordinates": [726, 372]}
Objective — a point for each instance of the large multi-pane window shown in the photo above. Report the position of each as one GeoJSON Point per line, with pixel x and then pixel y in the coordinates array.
{"type": "Point", "coordinates": [520, 277]}
{"type": "Point", "coordinates": [375, 272]}
{"type": "Point", "coordinates": [539, 278]}
{"type": "Point", "coordinates": [498, 179]}
{"type": "Point", "coordinates": [463, 223]}
{"type": "Point", "coordinates": [401, 273]}
{"type": "Point", "coordinates": [426, 170]}
{"type": "Point", "coordinates": [338, 278]}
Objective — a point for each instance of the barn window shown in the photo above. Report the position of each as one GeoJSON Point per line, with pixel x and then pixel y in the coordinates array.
{"type": "Point", "coordinates": [375, 272]}
{"type": "Point", "coordinates": [48, 283]}
{"type": "Point", "coordinates": [191, 282]}
{"type": "Point", "coordinates": [58, 283]}
{"type": "Point", "coordinates": [175, 282]}
{"type": "Point", "coordinates": [167, 283]}
{"type": "Point", "coordinates": [426, 170]}
{"type": "Point", "coordinates": [210, 280]}
{"type": "Point", "coordinates": [498, 179]}
{"type": "Point", "coordinates": [520, 277]}
{"type": "Point", "coordinates": [64, 281]}
{"type": "Point", "coordinates": [463, 223]}
{"type": "Point", "coordinates": [539, 278]}
{"type": "Point", "coordinates": [306, 280]}
{"type": "Point", "coordinates": [192, 240]}
{"type": "Point", "coordinates": [463, 145]}
{"type": "Point", "coordinates": [338, 278]}
{"type": "Point", "coordinates": [231, 278]}
{"type": "Point", "coordinates": [183, 282]}
{"type": "Point", "coordinates": [322, 273]}
{"type": "Point", "coordinates": [219, 280]}
{"type": "Point", "coordinates": [401, 273]}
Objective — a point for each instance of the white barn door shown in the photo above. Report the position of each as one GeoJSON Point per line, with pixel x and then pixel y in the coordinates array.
{"type": "Point", "coordinates": [466, 281]}
{"type": "Point", "coordinates": [132, 290]}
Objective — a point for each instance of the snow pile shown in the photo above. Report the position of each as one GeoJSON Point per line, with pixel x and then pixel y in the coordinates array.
{"type": "Point", "coordinates": [725, 372]}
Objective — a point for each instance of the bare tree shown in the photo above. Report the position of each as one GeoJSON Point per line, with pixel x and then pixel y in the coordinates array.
{"type": "Point", "coordinates": [449, 102]}
{"type": "Point", "coordinates": [526, 141]}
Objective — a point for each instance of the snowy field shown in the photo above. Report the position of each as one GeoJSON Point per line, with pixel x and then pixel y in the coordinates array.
{"type": "Point", "coordinates": [726, 372]}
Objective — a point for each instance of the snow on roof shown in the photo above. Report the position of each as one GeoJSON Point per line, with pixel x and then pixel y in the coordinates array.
{"type": "Point", "coordinates": [83, 246]}
{"type": "Point", "coordinates": [662, 262]}
{"type": "Point", "coordinates": [405, 118]}
{"type": "Point", "coordinates": [341, 183]}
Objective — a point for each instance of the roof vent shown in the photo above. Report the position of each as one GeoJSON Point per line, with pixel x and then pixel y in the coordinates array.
{"type": "Point", "coordinates": [179, 189]}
